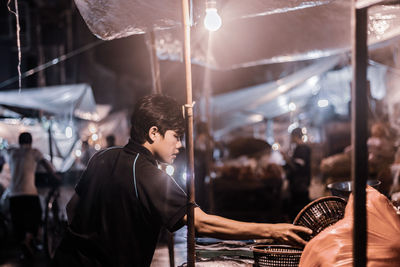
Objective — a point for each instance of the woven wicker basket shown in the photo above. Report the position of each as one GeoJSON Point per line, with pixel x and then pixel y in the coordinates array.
{"type": "Point", "coordinates": [276, 255]}
{"type": "Point", "coordinates": [320, 214]}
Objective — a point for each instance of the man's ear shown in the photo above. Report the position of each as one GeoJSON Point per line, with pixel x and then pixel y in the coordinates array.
{"type": "Point", "coordinates": [153, 131]}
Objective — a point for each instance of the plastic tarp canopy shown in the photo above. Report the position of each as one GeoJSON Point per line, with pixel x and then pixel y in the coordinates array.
{"type": "Point", "coordinates": [63, 102]}
{"type": "Point", "coordinates": [304, 88]}
{"type": "Point", "coordinates": [253, 32]}
{"type": "Point", "coordinates": [75, 99]}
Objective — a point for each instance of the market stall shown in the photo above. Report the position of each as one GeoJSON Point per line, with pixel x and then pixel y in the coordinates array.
{"type": "Point", "coordinates": [258, 44]}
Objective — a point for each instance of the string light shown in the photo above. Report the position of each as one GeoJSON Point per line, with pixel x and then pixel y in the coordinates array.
{"type": "Point", "coordinates": [95, 137]}
{"type": "Point", "coordinates": [68, 132]}
{"type": "Point", "coordinates": [78, 153]}
{"type": "Point", "coordinates": [275, 146]}
{"type": "Point", "coordinates": [322, 103]}
{"type": "Point", "coordinates": [292, 106]}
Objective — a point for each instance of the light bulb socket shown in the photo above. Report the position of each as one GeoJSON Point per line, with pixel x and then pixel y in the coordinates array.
{"type": "Point", "coordinates": [211, 4]}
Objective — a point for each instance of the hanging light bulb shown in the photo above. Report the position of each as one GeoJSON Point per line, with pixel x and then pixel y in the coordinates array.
{"type": "Point", "coordinates": [322, 103]}
{"type": "Point", "coordinates": [68, 131]}
{"type": "Point", "coordinates": [212, 20]}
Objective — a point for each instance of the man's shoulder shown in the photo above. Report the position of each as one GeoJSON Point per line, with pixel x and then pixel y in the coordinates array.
{"type": "Point", "coordinates": [35, 150]}
{"type": "Point", "coordinates": [106, 154]}
{"type": "Point", "coordinates": [37, 153]}
{"type": "Point", "coordinates": [143, 166]}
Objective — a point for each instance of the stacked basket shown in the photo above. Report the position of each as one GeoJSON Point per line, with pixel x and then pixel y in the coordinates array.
{"type": "Point", "coordinates": [276, 255]}
{"type": "Point", "coordinates": [321, 213]}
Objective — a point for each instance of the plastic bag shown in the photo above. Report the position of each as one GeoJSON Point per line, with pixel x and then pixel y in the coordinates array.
{"type": "Point", "coordinates": [333, 246]}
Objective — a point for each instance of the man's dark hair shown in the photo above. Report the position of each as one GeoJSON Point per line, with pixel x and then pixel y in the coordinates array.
{"type": "Point", "coordinates": [25, 138]}
{"type": "Point", "coordinates": [156, 110]}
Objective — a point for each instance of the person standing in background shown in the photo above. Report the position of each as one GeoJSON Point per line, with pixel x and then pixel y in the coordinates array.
{"type": "Point", "coordinates": [298, 172]}
{"type": "Point", "coordinates": [110, 139]}
{"type": "Point", "coordinates": [25, 209]}
{"type": "Point", "coordinates": [381, 154]}
{"type": "Point", "coordinates": [87, 153]}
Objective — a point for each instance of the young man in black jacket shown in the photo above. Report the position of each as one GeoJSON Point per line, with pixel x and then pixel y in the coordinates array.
{"type": "Point", "coordinates": [123, 198]}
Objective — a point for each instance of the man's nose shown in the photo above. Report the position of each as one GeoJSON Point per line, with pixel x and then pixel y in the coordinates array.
{"type": "Point", "coordinates": [179, 144]}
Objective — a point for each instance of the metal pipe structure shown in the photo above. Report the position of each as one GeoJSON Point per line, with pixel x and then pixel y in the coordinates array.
{"type": "Point", "coordinates": [359, 132]}
{"type": "Point", "coordinates": [189, 136]}
{"type": "Point", "coordinates": [359, 125]}
{"type": "Point", "coordinates": [50, 141]}
{"type": "Point", "coordinates": [155, 65]}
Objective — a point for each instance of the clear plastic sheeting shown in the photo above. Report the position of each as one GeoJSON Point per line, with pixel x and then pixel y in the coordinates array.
{"type": "Point", "coordinates": [75, 99]}
{"type": "Point", "coordinates": [113, 19]}
{"type": "Point", "coordinates": [253, 32]}
{"type": "Point", "coordinates": [237, 9]}
{"type": "Point", "coordinates": [282, 35]}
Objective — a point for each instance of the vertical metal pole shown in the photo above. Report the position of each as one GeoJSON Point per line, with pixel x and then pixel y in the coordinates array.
{"type": "Point", "coordinates": [171, 251]}
{"type": "Point", "coordinates": [189, 136]}
{"type": "Point", "coordinates": [50, 141]}
{"type": "Point", "coordinates": [155, 66]}
{"type": "Point", "coordinates": [63, 76]}
{"type": "Point", "coordinates": [41, 58]}
{"type": "Point", "coordinates": [359, 130]}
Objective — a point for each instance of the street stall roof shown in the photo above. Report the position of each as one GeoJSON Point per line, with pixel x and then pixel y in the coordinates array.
{"type": "Point", "coordinates": [253, 32]}
{"type": "Point", "coordinates": [62, 102]}
{"type": "Point", "coordinates": [74, 99]}
{"type": "Point", "coordinates": [317, 81]}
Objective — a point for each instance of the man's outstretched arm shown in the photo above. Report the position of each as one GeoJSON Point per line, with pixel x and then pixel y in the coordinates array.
{"type": "Point", "coordinates": [219, 227]}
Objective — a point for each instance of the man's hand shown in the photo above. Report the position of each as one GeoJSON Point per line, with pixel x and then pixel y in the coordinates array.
{"type": "Point", "coordinates": [288, 233]}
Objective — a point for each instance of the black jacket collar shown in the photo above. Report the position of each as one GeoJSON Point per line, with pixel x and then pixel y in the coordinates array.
{"type": "Point", "coordinates": [134, 147]}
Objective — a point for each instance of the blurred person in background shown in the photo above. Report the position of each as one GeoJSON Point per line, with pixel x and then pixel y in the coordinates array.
{"type": "Point", "coordinates": [381, 154]}
{"type": "Point", "coordinates": [202, 161]}
{"type": "Point", "coordinates": [2, 161]}
{"type": "Point", "coordinates": [87, 153]}
{"type": "Point", "coordinates": [298, 172]}
{"type": "Point", "coordinates": [25, 209]}
{"type": "Point", "coordinates": [110, 139]}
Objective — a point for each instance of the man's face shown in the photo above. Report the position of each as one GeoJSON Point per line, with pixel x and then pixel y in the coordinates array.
{"type": "Point", "coordinates": [166, 147]}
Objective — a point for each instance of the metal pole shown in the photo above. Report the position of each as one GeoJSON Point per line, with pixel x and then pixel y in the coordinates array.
{"type": "Point", "coordinates": [41, 58]}
{"type": "Point", "coordinates": [189, 136]}
{"type": "Point", "coordinates": [50, 141]}
{"type": "Point", "coordinates": [359, 130]}
{"type": "Point", "coordinates": [155, 66]}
